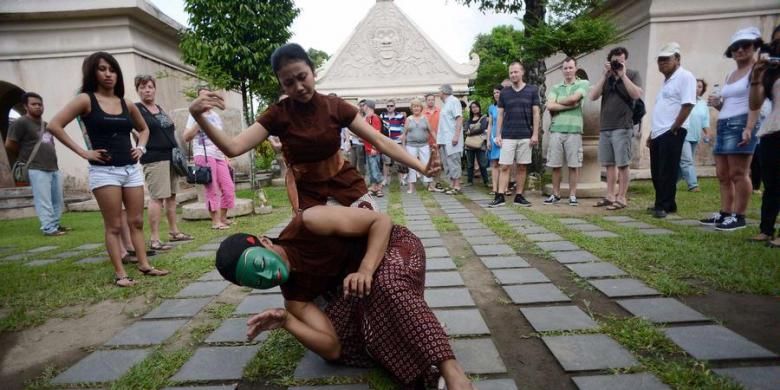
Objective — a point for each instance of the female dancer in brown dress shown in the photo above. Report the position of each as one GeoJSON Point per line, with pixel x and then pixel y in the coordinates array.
{"type": "Point", "coordinates": [309, 125]}
{"type": "Point", "coordinates": [372, 274]}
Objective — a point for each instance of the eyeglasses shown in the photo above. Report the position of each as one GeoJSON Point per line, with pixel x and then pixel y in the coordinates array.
{"type": "Point", "coordinates": [744, 45]}
{"type": "Point", "coordinates": [390, 106]}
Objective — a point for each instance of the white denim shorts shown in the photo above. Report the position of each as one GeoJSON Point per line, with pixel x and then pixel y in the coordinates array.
{"type": "Point", "coordinates": [124, 176]}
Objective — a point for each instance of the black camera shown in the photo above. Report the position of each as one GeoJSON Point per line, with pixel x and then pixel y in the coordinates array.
{"type": "Point", "coordinates": [616, 65]}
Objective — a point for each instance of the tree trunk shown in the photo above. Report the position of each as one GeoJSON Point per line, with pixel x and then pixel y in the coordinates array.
{"type": "Point", "coordinates": [535, 70]}
{"type": "Point", "coordinates": [244, 102]}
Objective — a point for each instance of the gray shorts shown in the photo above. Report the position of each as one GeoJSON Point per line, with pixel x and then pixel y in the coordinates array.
{"type": "Point", "coordinates": [564, 147]}
{"type": "Point", "coordinates": [615, 147]}
{"type": "Point", "coordinates": [452, 168]}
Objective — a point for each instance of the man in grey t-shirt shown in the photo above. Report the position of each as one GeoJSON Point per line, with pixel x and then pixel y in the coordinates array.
{"type": "Point", "coordinates": [618, 88]}
{"type": "Point", "coordinates": [43, 172]}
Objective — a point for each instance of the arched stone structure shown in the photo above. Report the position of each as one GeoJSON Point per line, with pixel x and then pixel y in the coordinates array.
{"type": "Point", "coordinates": [10, 98]}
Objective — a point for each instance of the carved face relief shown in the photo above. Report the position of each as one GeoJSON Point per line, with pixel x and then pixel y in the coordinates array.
{"type": "Point", "coordinates": [387, 44]}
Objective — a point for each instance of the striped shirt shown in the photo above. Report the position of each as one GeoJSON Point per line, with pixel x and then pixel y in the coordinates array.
{"type": "Point", "coordinates": [395, 124]}
{"type": "Point", "coordinates": [568, 121]}
{"type": "Point", "coordinates": [518, 111]}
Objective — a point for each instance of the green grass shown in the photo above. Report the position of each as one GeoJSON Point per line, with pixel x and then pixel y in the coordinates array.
{"type": "Point", "coordinates": [444, 223]}
{"type": "Point", "coordinates": [395, 209]}
{"type": "Point", "coordinates": [154, 371]}
{"type": "Point", "coordinates": [30, 295]}
{"type": "Point", "coordinates": [276, 360]}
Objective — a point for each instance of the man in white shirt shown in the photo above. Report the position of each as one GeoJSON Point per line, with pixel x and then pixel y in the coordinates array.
{"type": "Point", "coordinates": [673, 104]}
{"type": "Point", "coordinates": [449, 137]}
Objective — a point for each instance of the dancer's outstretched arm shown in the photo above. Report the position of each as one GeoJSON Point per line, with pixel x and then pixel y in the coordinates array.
{"type": "Point", "coordinates": [231, 146]}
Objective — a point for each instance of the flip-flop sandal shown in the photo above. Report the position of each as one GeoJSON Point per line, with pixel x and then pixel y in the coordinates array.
{"type": "Point", "coordinates": [179, 236]}
{"type": "Point", "coordinates": [380, 194]}
{"type": "Point", "coordinates": [616, 206]}
{"type": "Point", "coordinates": [148, 253]}
{"type": "Point", "coordinates": [220, 227]}
{"type": "Point", "coordinates": [603, 202]}
{"type": "Point", "coordinates": [154, 272]}
{"type": "Point", "coordinates": [127, 259]}
{"type": "Point", "coordinates": [130, 282]}
{"type": "Point", "coordinates": [159, 246]}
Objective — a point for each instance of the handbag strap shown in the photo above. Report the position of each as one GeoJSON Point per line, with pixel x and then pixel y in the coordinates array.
{"type": "Point", "coordinates": [172, 140]}
{"type": "Point", "coordinates": [203, 143]}
{"type": "Point", "coordinates": [37, 144]}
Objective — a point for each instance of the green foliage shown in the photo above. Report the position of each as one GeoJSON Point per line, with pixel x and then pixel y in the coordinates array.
{"type": "Point", "coordinates": [578, 36]}
{"type": "Point", "coordinates": [230, 43]}
{"type": "Point", "coordinates": [318, 57]}
{"type": "Point", "coordinates": [496, 51]}
{"type": "Point", "coordinates": [264, 156]}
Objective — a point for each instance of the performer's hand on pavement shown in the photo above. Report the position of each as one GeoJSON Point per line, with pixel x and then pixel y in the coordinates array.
{"type": "Point", "coordinates": [358, 284]}
{"type": "Point", "coordinates": [205, 102]}
{"type": "Point", "coordinates": [267, 320]}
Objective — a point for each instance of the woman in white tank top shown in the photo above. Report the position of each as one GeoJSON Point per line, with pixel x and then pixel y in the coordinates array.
{"type": "Point", "coordinates": [736, 134]}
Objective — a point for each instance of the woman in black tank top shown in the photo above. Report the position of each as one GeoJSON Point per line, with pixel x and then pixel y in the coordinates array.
{"type": "Point", "coordinates": [114, 174]}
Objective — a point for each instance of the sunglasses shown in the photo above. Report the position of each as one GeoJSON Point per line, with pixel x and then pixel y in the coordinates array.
{"type": "Point", "coordinates": [744, 45]}
{"type": "Point", "coordinates": [390, 106]}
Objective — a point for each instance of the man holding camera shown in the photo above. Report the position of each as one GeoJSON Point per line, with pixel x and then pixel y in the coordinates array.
{"type": "Point", "coordinates": [618, 88]}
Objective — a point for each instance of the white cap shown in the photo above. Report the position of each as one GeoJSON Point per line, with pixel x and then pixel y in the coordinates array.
{"type": "Point", "coordinates": [746, 34]}
{"type": "Point", "coordinates": [669, 49]}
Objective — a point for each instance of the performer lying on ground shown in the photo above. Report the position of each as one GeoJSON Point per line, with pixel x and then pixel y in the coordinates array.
{"type": "Point", "coordinates": [371, 272]}
{"type": "Point", "coordinates": [309, 125]}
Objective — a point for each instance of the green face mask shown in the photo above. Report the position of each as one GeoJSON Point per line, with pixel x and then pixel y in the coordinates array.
{"type": "Point", "coordinates": [261, 268]}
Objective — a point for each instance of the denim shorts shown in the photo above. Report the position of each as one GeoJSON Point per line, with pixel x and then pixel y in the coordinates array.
{"type": "Point", "coordinates": [730, 134]}
{"type": "Point", "coordinates": [124, 176]}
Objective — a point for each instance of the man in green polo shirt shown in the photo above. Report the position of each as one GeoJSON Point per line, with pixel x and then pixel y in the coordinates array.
{"type": "Point", "coordinates": [565, 105]}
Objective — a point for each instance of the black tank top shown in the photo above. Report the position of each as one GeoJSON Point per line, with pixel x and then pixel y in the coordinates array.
{"type": "Point", "coordinates": [110, 132]}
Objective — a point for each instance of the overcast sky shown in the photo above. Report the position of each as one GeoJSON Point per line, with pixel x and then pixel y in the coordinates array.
{"type": "Point", "coordinates": [325, 25]}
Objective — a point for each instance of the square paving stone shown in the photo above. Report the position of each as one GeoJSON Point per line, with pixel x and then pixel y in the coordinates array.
{"type": "Point", "coordinates": [619, 218]}
{"type": "Point", "coordinates": [312, 366]}
{"type": "Point", "coordinates": [572, 221]}
{"type": "Point", "coordinates": [417, 226]}
{"type": "Point", "coordinates": [443, 279]}
{"type": "Point", "coordinates": [493, 250]}
{"type": "Point", "coordinates": [636, 225]}
{"type": "Point", "coordinates": [216, 363]}
{"type": "Point", "coordinates": [101, 366]}
{"type": "Point", "coordinates": [473, 225]}
{"type": "Point", "coordinates": [588, 352]}
{"type": "Point", "coordinates": [211, 276]}
{"type": "Point", "coordinates": [17, 257]}
{"type": "Point", "coordinates": [484, 232]}
{"type": "Point", "coordinates": [209, 247]}
{"type": "Point", "coordinates": [65, 255]}
{"type": "Point", "coordinates": [486, 240]}
{"type": "Point", "coordinates": [655, 231]}
{"type": "Point", "coordinates": [557, 246]}
{"type": "Point", "coordinates": [554, 318]}
{"type": "Point", "coordinates": [586, 228]}
{"type": "Point", "coordinates": [358, 386]}
{"type": "Point", "coordinates": [531, 229]}
{"type": "Point", "coordinates": [595, 270]}
{"type": "Point", "coordinates": [753, 378]}
{"type": "Point", "coordinates": [601, 234]}
{"type": "Point", "coordinates": [146, 332]}
{"type": "Point", "coordinates": [496, 384]}
{"type": "Point", "coordinates": [203, 289]}
{"type": "Point", "coordinates": [43, 249]}
{"type": "Point", "coordinates": [253, 304]}
{"type": "Point", "coordinates": [178, 308]}
{"type": "Point", "coordinates": [478, 356]}
{"type": "Point", "coordinates": [714, 342]}
{"type": "Point", "coordinates": [436, 252]}
{"type": "Point", "coordinates": [93, 260]}
{"type": "Point", "coordinates": [273, 290]}
{"type": "Point", "coordinates": [418, 217]}
{"type": "Point", "coordinates": [661, 310]}
{"type": "Point", "coordinates": [685, 222]}
{"type": "Point", "coordinates": [89, 247]}
{"type": "Point", "coordinates": [233, 330]}
{"type": "Point", "coordinates": [463, 322]}
{"type": "Point", "coordinates": [460, 220]}
{"type": "Point", "coordinates": [538, 237]}
{"type": "Point", "coordinates": [574, 257]}
{"type": "Point", "coordinates": [535, 293]}
{"type": "Point", "coordinates": [432, 242]}
{"type": "Point", "coordinates": [222, 238]}
{"type": "Point", "coordinates": [440, 263]}
{"type": "Point", "coordinates": [616, 288]}
{"type": "Point", "coordinates": [514, 217]}
{"type": "Point", "coordinates": [519, 276]}
{"type": "Point", "coordinates": [640, 381]}
{"type": "Point", "coordinates": [199, 254]}
{"type": "Point", "coordinates": [495, 262]}
{"type": "Point", "coordinates": [448, 297]}
{"type": "Point", "coordinates": [38, 263]}
{"type": "Point", "coordinates": [428, 234]}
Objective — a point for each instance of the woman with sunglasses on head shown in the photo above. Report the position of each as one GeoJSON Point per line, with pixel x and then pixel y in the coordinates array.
{"type": "Point", "coordinates": [736, 133]}
{"type": "Point", "coordinates": [309, 126]}
{"type": "Point", "coordinates": [114, 175]}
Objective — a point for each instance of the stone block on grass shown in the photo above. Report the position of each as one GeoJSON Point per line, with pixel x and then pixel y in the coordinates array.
{"type": "Point", "coordinates": [636, 225]}
{"type": "Point", "coordinates": [589, 352]}
{"type": "Point", "coordinates": [428, 234]}
{"type": "Point", "coordinates": [42, 262]}
{"type": "Point", "coordinates": [483, 232]}
{"type": "Point", "coordinates": [493, 250]}
{"type": "Point", "coordinates": [178, 308]}
{"type": "Point", "coordinates": [519, 276]}
{"type": "Point", "coordinates": [254, 304]}
{"type": "Point", "coordinates": [203, 289]}
{"type": "Point", "coordinates": [448, 297]}
{"type": "Point", "coordinates": [485, 240]}
{"type": "Point", "coordinates": [233, 330]}
{"type": "Point", "coordinates": [569, 257]}
{"type": "Point", "coordinates": [619, 218]}
{"type": "Point", "coordinates": [101, 366]}
{"type": "Point", "coordinates": [89, 247]}
{"type": "Point", "coordinates": [146, 332]}
{"type": "Point", "coordinates": [44, 248]}
{"type": "Point", "coordinates": [572, 221]}
{"type": "Point", "coordinates": [471, 225]}
{"type": "Point", "coordinates": [436, 252]}
{"type": "Point", "coordinates": [753, 378]}
{"type": "Point", "coordinates": [586, 228]}
{"type": "Point", "coordinates": [478, 356]}
{"type": "Point", "coordinates": [211, 276]}
{"type": "Point", "coordinates": [496, 384]}
{"type": "Point", "coordinates": [655, 231]}
{"type": "Point", "coordinates": [497, 262]}
{"type": "Point", "coordinates": [272, 290]}
{"type": "Point", "coordinates": [552, 246]}
{"type": "Point", "coordinates": [661, 310]}
{"type": "Point", "coordinates": [640, 381]}
{"type": "Point", "coordinates": [618, 288]}
{"type": "Point", "coordinates": [312, 366]}
{"type": "Point", "coordinates": [216, 364]}
{"type": "Point", "coordinates": [595, 270]}
{"type": "Point", "coordinates": [443, 279]}
{"type": "Point", "coordinates": [558, 318]}
{"type": "Point", "coordinates": [600, 234]}
{"type": "Point", "coordinates": [212, 246]}
{"type": "Point", "coordinates": [540, 237]}
{"type": "Point", "coordinates": [432, 242]}
{"type": "Point", "coordinates": [440, 264]}
{"type": "Point", "coordinates": [533, 229]}
{"type": "Point", "coordinates": [65, 255]}
{"type": "Point", "coordinates": [462, 322]}
{"type": "Point", "coordinates": [715, 342]}
{"type": "Point", "coordinates": [200, 254]}
{"type": "Point", "coordinates": [17, 257]}
{"type": "Point", "coordinates": [535, 293]}
{"type": "Point", "coordinates": [93, 260]}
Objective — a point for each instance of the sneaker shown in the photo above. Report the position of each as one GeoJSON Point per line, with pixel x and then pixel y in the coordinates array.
{"type": "Point", "coordinates": [573, 201]}
{"type": "Point", "coordinates": [64, 228]}
{"type": "Point", "coordinates": [468, 184]}
{"type": "Point", "coordinates": [730, 223]}
{"type": "Point", "coordinates": [713, 219]}
{"type": "Point", "coordinates": [521, 201]}
{"type": "Point", "coordinates": [498, 201]}
{"type": "Point", "coordinates": [552, 199]}
{"type": "Point", "coordinates": [658, 213]}
{"type": "Point", "coordinates": [55, 233]}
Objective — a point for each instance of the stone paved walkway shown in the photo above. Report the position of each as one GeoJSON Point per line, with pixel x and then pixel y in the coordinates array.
{"type": "Point", "coordinates": [569, 333]}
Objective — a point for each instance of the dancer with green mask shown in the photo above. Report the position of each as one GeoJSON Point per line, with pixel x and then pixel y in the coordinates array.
{"type": "Point", "coordinates": [372, 275]}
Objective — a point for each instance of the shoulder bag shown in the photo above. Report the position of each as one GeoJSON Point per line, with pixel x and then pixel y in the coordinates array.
{"type": "Point", "coordinates": [199, 174]}
{"type": "Point", "coordinates": [476, 141]}
{"type": "Point", "coordinates": [20, 168]}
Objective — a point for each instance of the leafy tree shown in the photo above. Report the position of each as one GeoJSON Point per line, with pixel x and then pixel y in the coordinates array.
{"type": "Point", "coordinates": [230, 42]}
{"type": "Point", "coordinates": [318, 57]}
